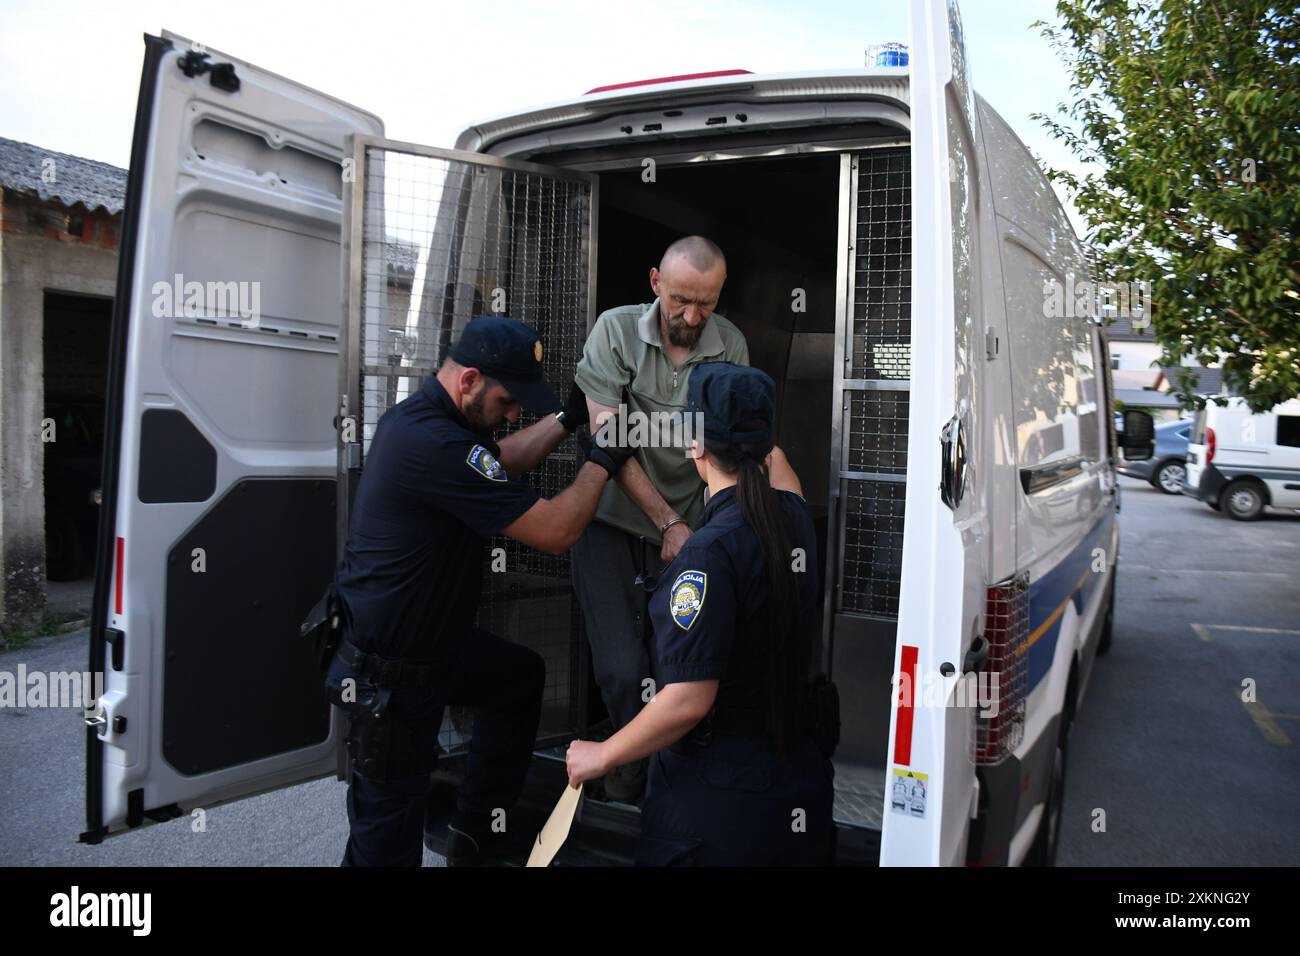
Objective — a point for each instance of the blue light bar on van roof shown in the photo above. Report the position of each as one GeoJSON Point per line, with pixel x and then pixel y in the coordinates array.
{"type": "Point", "coordinates": [667, 79]}
{"type": "Point", "coordinates": [887, 54]}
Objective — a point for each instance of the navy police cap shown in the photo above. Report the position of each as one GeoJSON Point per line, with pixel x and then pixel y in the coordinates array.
{"type": "Point", "coordinates": [510, 352]}
{"type": "Point", "coordinates": [731, 397]}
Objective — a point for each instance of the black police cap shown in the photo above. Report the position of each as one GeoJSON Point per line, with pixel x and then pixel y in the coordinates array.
{"type": "Point", "coordinates": [730, 396]}
{"type": "Point", "coordinates": [510, 352]}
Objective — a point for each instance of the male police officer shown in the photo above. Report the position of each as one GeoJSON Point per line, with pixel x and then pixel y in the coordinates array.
{"type": "Point", "coordinates": [645, 353]}
{"type": "Point", "coordinates": [434, 487]}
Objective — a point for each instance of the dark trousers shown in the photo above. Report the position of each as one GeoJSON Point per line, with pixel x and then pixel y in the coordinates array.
{"type": "Point", "coordinates": [605, 564]}
{"type": "Point", "coordinates": [504, 683]}
{"type": "Point", "coordinates": [733, 803]}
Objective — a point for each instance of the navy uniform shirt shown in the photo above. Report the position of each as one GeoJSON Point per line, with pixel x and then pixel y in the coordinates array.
{"type": "Point", "coordinates": [710, 607]}
{"type": "Point", "coordinates": [431, 492]}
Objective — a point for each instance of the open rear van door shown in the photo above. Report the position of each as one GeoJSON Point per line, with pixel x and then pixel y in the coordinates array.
{"type": "Point", "coordinates": [218, 526]}
{"type": "Point", "coordinates": [930, 771]}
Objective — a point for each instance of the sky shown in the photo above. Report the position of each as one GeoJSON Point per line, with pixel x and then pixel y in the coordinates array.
{"type": "Point", "coordinates": [71, 71]}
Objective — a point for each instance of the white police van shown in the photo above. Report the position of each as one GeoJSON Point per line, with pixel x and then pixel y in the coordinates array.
{"type": "Point", "coordinates": [891, 244]}
{"type": "Point", "coordinates": [1240, 462]}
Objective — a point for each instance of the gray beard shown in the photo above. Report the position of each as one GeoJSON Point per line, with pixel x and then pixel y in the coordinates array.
{"type": "Point", "coordinates": [682, 335]}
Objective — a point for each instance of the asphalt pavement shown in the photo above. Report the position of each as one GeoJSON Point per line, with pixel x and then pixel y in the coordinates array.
{"type": "Point", "coordinates": [43, 798]}
{"type": "Point", "coordinates": [1165, 753]}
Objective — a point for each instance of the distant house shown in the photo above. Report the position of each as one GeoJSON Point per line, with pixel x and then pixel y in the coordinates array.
{"type": "Point", "coordinates": [1141, 382]}
{"type": "Point", "coordinates": [60, 221]}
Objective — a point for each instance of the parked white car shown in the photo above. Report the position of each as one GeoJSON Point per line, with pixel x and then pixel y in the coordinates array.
{"type": "Point", "coordinates": [1241, 463]}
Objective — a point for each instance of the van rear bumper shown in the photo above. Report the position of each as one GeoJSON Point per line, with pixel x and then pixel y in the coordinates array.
{"type": "Point", "coordinates": [989, 843]}
{"type": "Point", "coordinates": [1208, 487]}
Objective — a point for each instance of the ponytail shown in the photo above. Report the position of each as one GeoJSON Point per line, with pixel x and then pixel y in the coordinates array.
{"type": "Point", "coordinates": [762, 512]}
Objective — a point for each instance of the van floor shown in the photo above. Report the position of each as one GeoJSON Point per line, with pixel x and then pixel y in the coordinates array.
{"type": "Point", "coordinates": [859, 795]}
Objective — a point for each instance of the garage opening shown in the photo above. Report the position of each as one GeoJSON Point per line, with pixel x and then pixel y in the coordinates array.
{"type": "Point", "coordinates": [76, 380]}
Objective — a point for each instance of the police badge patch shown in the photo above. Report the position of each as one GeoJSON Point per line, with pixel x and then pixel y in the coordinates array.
{"type": "Point", "coordinates": [687, 597]}
{"type": "Point", "coordinates": [482, 461]}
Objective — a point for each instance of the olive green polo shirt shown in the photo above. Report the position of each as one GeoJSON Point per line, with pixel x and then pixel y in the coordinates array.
{"type": "Point", "coordinates": [623, 361]}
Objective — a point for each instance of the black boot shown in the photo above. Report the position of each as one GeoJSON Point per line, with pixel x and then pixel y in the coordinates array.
{"type": "Point", "coordinates": [472, 841]}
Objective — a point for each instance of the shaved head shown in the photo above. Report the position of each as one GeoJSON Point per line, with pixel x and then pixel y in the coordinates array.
{"type": "Point", "coordinates": [702, 255]}
{"type": "Point", "coordinates": [688, 283]}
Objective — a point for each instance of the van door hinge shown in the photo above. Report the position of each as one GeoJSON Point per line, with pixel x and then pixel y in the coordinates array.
{"type": "Point", "coordinates": [977, 656]}
{"type": "Point", "coordinates": [346, 426]}
{"type": "Point", "coordinates": [223, 76]}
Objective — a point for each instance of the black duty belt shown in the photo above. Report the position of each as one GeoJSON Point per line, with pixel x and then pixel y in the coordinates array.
{"type": "Point", "coordinates": [389, 672]}
{"type": "Point", "coordinates": [727, 722]}
{"type": "Point", "coordinates": [738, 722]}
{"type": "Point", "coordinates": [821, 721]}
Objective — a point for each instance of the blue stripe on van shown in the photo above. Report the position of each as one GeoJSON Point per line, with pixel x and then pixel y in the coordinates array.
{"type": "Point", "coordinates": [1071, 579]}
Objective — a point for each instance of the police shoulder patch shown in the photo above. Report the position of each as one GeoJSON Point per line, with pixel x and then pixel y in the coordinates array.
{"type": "Point", "coordinates": [483, 461]}
{"type": "Point", "coordinates": [686, 599]}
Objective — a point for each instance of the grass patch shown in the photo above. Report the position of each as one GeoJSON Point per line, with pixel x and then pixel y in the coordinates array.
{"type": "Point", "coordinates": [47, 625]}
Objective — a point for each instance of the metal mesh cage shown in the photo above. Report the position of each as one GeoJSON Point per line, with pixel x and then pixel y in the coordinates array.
{"type": "Point", "coordinates": [876, 391]}
{"type": "Point", "coordinates": [873, 547]}
{"type": "Point", "coordinates": [882, 293]}
{"type": "Point", "coordinates": [1006, 627]}
{"type": "Point", "coordinates": [444, 240]}
{"type": "Point", "coordinates": [877, 432]}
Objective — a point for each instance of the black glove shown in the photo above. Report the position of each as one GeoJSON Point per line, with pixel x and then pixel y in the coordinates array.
{"type": "Point", "coordinates": [574, 414]}
{"type": "Point", "coordinates": [611, 457]}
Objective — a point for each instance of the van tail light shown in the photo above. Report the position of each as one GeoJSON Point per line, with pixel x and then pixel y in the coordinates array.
{"type": "Point", "coordinates": [1002, 684]}
{"type": "Point", "coordinates": [1209, 445]}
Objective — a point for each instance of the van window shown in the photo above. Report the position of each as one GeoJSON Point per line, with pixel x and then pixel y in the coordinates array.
{"type": "Point", "coordinates": [1288, 430]}
{"type": "Point", "coordinates": [1198, 428]}
{"type": "Point", "coordinates": [1053, 378]}
{"type": "Point", "coordinates": [1088, 392]}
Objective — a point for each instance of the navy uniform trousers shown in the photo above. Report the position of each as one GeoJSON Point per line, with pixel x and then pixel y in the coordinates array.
{"type": "Point", "coordinates": [732, 803]}
{"type": "Point", "coordinates": [504, 682]}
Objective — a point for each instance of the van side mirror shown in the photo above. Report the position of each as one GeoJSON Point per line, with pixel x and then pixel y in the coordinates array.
{"type": "Point", "coordinates": [1138, 441]}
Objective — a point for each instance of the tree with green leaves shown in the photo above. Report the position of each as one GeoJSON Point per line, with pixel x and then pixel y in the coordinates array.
{"type": "Point", "coordinates": [1186, 116]}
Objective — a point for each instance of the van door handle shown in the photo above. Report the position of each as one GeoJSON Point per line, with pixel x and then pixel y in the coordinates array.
{"type": "Point", "coordinates": [976, 657]}
{"type": "Point", "coordinates": [952, 480]}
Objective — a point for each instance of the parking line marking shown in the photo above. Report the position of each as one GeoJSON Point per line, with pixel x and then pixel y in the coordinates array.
{"type": "Point", "coordinates": [1266, 724]}
{"type": "Point", "coordinates": [1214, 571]}
{"type": "Point", "coordinates": [1253, 630]}
{"type": "Point", "coordinates": [1201, 632]}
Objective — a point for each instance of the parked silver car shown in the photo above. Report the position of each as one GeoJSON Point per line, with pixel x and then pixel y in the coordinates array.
{"type": "Point", "coordinates": [1165, 469]}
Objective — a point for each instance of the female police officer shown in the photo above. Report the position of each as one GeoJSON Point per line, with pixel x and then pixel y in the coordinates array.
{"type": "Point", "coordinates": [736, 778]}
